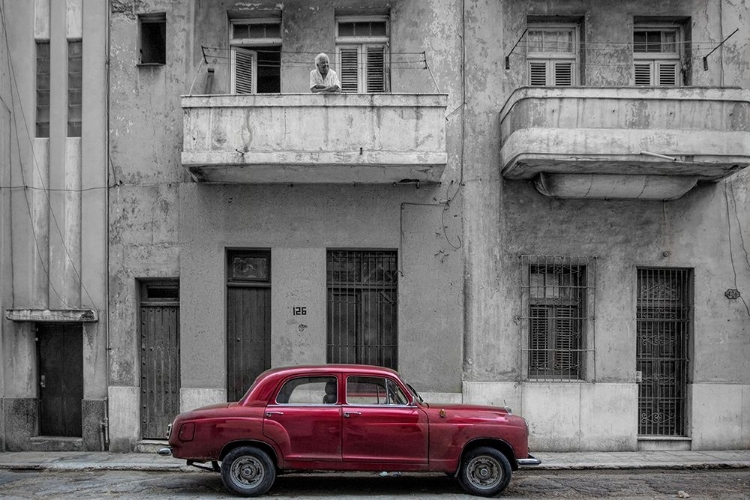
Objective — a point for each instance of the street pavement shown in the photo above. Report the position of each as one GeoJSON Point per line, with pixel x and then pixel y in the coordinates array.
{"type": "Point", "coordinates": [77, 461]}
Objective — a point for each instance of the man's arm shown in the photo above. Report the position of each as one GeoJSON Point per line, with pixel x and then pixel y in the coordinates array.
{"type": "Point", "coordinates": [322, 89]}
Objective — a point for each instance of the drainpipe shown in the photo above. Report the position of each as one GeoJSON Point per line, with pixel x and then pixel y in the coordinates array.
{"type": "Point", "coordinates": [104, 424]}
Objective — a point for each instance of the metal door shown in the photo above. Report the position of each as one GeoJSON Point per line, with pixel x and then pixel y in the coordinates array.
{"type": "Point", "coordinates": [663, 321]}
{"type": "Point", "coordinates": [60, 350]}
{"type": "Point", "coordinates": [160, 357]}
{"type": "Point", "coordinates": [248, 320]}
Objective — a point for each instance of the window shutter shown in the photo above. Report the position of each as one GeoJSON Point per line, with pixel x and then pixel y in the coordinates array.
{"type": "Point", "coordinates": [538, 74]}
{"type": "Point", "coordinates": [538, 338]}
{"type": "Point", "coordinates": [563, 74]}
{"type": "Point", "coordinates": [375, 77]}
{"type": "Point", "coordinates": [243, 76]}
{"type": "Point", "coordinates": [566, 338]}
{"type": "Point", "coordinates": [643, 74]}
{"type": "Point", "coordinates": [667, 74]}
{"type": "Point", "coordinates": [349, 64]}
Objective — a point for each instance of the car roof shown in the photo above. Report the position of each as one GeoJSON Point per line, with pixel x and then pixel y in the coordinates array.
{"type": "Point", "coordinates": [269, 379]}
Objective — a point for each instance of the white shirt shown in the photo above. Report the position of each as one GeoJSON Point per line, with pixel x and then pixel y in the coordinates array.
{"type": "Point", "coordinates": [330, 79]}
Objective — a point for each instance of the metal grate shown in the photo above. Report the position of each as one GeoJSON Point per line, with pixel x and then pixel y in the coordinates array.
{"type": "Point", "coordinates": [362, 307]}
{"type": "Point", "coordinates": [663, 323]}
{"type": "Point", "coordinates": [557, 293]}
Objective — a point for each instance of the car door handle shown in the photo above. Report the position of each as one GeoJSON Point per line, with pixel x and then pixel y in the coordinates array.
{"type": "Point", "coordinates": [269, 414]}
{"type": "Point", "coordinates": [347, 414]}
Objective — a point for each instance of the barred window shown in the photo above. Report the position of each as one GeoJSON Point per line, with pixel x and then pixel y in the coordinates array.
{"type": "Point", "coordinates": [555, 297]}
{"type": "Point", "coordinates": [362, 307]}
{"type": "Point", "coordinates": [42, 88]}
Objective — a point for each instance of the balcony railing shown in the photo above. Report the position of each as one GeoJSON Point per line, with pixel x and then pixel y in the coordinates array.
{"type": "Point", "coordinates": [624, 142]}
{"type": "Point", "coordinates": [315, 138]}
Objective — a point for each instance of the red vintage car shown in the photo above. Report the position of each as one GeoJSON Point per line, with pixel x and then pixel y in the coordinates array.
{"type": "Point", "coordinates": [348, 418]}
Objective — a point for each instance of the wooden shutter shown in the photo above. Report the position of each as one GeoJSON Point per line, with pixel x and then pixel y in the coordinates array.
{"type": "Point", "coordinates": [243, 70]}
{"type": "Point", "coordinates": [538, 338]}
{"type": "Point", "coordinates": [566, 338]}
{"type": "Point", "coordinates": [643, 74]}
{"type": "Point", "coordinates": [349, 65]}
{"type": "Point", "coordinates": [537, 73]}
{"type": "Point", "coordinates": [667, 74]}
{"type": "Point", "coordinates": [563, 74]}
{"type": "Point", "coordinates": [375, 77]}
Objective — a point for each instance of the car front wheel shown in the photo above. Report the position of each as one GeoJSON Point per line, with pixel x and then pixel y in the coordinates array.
{"type": "Point", "coordinates": [484, 472]}
{"type": "Point", "coordinates": [247, 471]}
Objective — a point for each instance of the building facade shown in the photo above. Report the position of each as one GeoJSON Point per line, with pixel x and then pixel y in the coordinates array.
{"type": "Point", "coordinates": [534, 204]}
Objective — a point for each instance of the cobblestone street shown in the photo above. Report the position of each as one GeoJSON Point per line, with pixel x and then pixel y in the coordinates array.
{"type": "Point", "coordinates": [639, 484]}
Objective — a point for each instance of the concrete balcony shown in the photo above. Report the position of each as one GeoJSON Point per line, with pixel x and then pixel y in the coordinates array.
{"type": "Point", "coordinates": [315, 138]}
{"type": "Point", "coordinates": [647, 143]}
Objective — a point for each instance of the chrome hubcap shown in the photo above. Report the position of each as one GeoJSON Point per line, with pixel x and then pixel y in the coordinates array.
{"type": "Point", "coordinates": [484, 472]}
{"type": "Point", "coordinates": [248, 471]}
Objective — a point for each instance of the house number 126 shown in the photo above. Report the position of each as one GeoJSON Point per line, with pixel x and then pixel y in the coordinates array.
{"type": "Point", "coordinates": [299, 311]}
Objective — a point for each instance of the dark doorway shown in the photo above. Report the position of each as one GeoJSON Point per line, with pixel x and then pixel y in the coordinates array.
{"type": "Point", "coordinates": [248, 319]}
{"type": "Point", "coordinates": [60, 350]}
{"type": "Point", "coordinates": [160, 356]}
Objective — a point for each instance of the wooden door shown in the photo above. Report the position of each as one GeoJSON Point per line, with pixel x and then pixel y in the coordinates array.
{"type": "Point", "coordinates": [160, 357]}
{"type": "Point", "coordinates": [60, 351]}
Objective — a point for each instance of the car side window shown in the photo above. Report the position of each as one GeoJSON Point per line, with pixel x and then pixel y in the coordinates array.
{"type": "Point", "coordinates": [374, 391]}
{"type": "Point", "coordinates": [309, 391]}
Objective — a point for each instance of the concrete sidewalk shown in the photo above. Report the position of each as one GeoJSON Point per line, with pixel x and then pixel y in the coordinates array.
{"type": "Point", "coordinates": [31, 460]}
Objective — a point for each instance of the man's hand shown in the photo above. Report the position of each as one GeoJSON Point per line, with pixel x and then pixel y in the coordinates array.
{"type": "Point", "coordinates": [320, 89]}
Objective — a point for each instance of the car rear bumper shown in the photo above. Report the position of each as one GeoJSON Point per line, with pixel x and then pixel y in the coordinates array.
{"type": "Point", "coordinates": [528, 461]}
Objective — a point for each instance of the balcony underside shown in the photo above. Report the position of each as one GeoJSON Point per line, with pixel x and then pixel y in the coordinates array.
{"type": "Point", "coordinates": [624, 143]}
{"type": "Point", "coordinates": [315, 168]}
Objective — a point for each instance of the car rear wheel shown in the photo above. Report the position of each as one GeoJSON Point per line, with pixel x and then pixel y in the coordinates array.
{"type": "Point", "coordinates": [484, 471]}
{"type": "Point", "coordinates": [247, 471]}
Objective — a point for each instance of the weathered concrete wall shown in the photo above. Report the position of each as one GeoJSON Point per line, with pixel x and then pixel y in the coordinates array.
{"type": "Point", "coordinates": [53, 231]}
{"type": "Point", "coordinates": [504, 219]}
{"type": "Point", "coordinates": [298, 224]}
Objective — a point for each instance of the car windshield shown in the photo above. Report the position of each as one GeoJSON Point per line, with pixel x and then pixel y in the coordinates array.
{"type": "Point", "coordinates": [415, 393]}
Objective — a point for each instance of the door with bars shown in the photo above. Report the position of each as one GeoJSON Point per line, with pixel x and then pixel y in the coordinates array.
{"type": "Point", "coordinates": [663, 324]}
{"type": "Point", "coordinates": [362, 307]}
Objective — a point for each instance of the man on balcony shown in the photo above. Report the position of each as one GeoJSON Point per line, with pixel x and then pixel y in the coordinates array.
{"type": "Point", "coordinates": [324, 80]}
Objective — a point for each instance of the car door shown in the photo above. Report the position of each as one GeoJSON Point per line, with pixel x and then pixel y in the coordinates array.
{"type": "Point", "coordinates": [380, 424]}
{"type": "Point", "coordinates": [305, 419]}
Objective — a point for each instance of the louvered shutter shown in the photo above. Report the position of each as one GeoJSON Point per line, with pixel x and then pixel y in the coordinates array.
{"type": "Point", "coordinates": [667, 74]}
{"type": "Point", "coordinates": [375, 76]}
{"type": "Point", "coordinates": [349, 65]}
{"type": "Point", "coordinates": [538, 338]}
{"type": "Point", "coordinates": [563, 74]}
{"type": "Point", "coordinates": [643, 74]}
{"type": "Point", "coordinates": [566, 338]}
{"type": "Point", "coordinates": [243, 71]}
{"type": "Point", "coordinates": [537, 73]}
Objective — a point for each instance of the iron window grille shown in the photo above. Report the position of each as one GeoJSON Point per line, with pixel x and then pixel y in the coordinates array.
{"type": "Point", "coordinates": [557, 296]}
{"type": "Point", "coordinates": [362, 307]}
{"type": "Point", "coordinates": [42, 88]}
{"type": "Point", "coordinates": [663, 319]}
{"type": "Point", "coordinates": [75, 87]}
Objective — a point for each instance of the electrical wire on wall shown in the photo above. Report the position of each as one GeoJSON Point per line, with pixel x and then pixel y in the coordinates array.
{"type": "Point", "coordinates": [742, 240]}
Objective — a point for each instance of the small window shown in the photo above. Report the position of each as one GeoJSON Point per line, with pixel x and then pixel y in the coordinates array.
{"type": "Point", "coordinates": [42, 88]}
{"type": "Point", "coordinates": [165, 291]}
{"type": "Point", "coordinates": [255, 56]}
{"type": "Point", "coordinates": [374, 391]}
{"type": "Point", "coordinates": [153, 39]}
{"type": "Point", "coordinates": [361, 54]}
{"type": "Point", "coordinates": [75, 87]}
{"type": "Point", "coordinates": [248, 266]}
{"type": "Point", "coordinates": [656, 56]}
{"type": "Point", "coordinates": [552, 55]}
{"type": "Point", "coordinates": [309, 391]}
